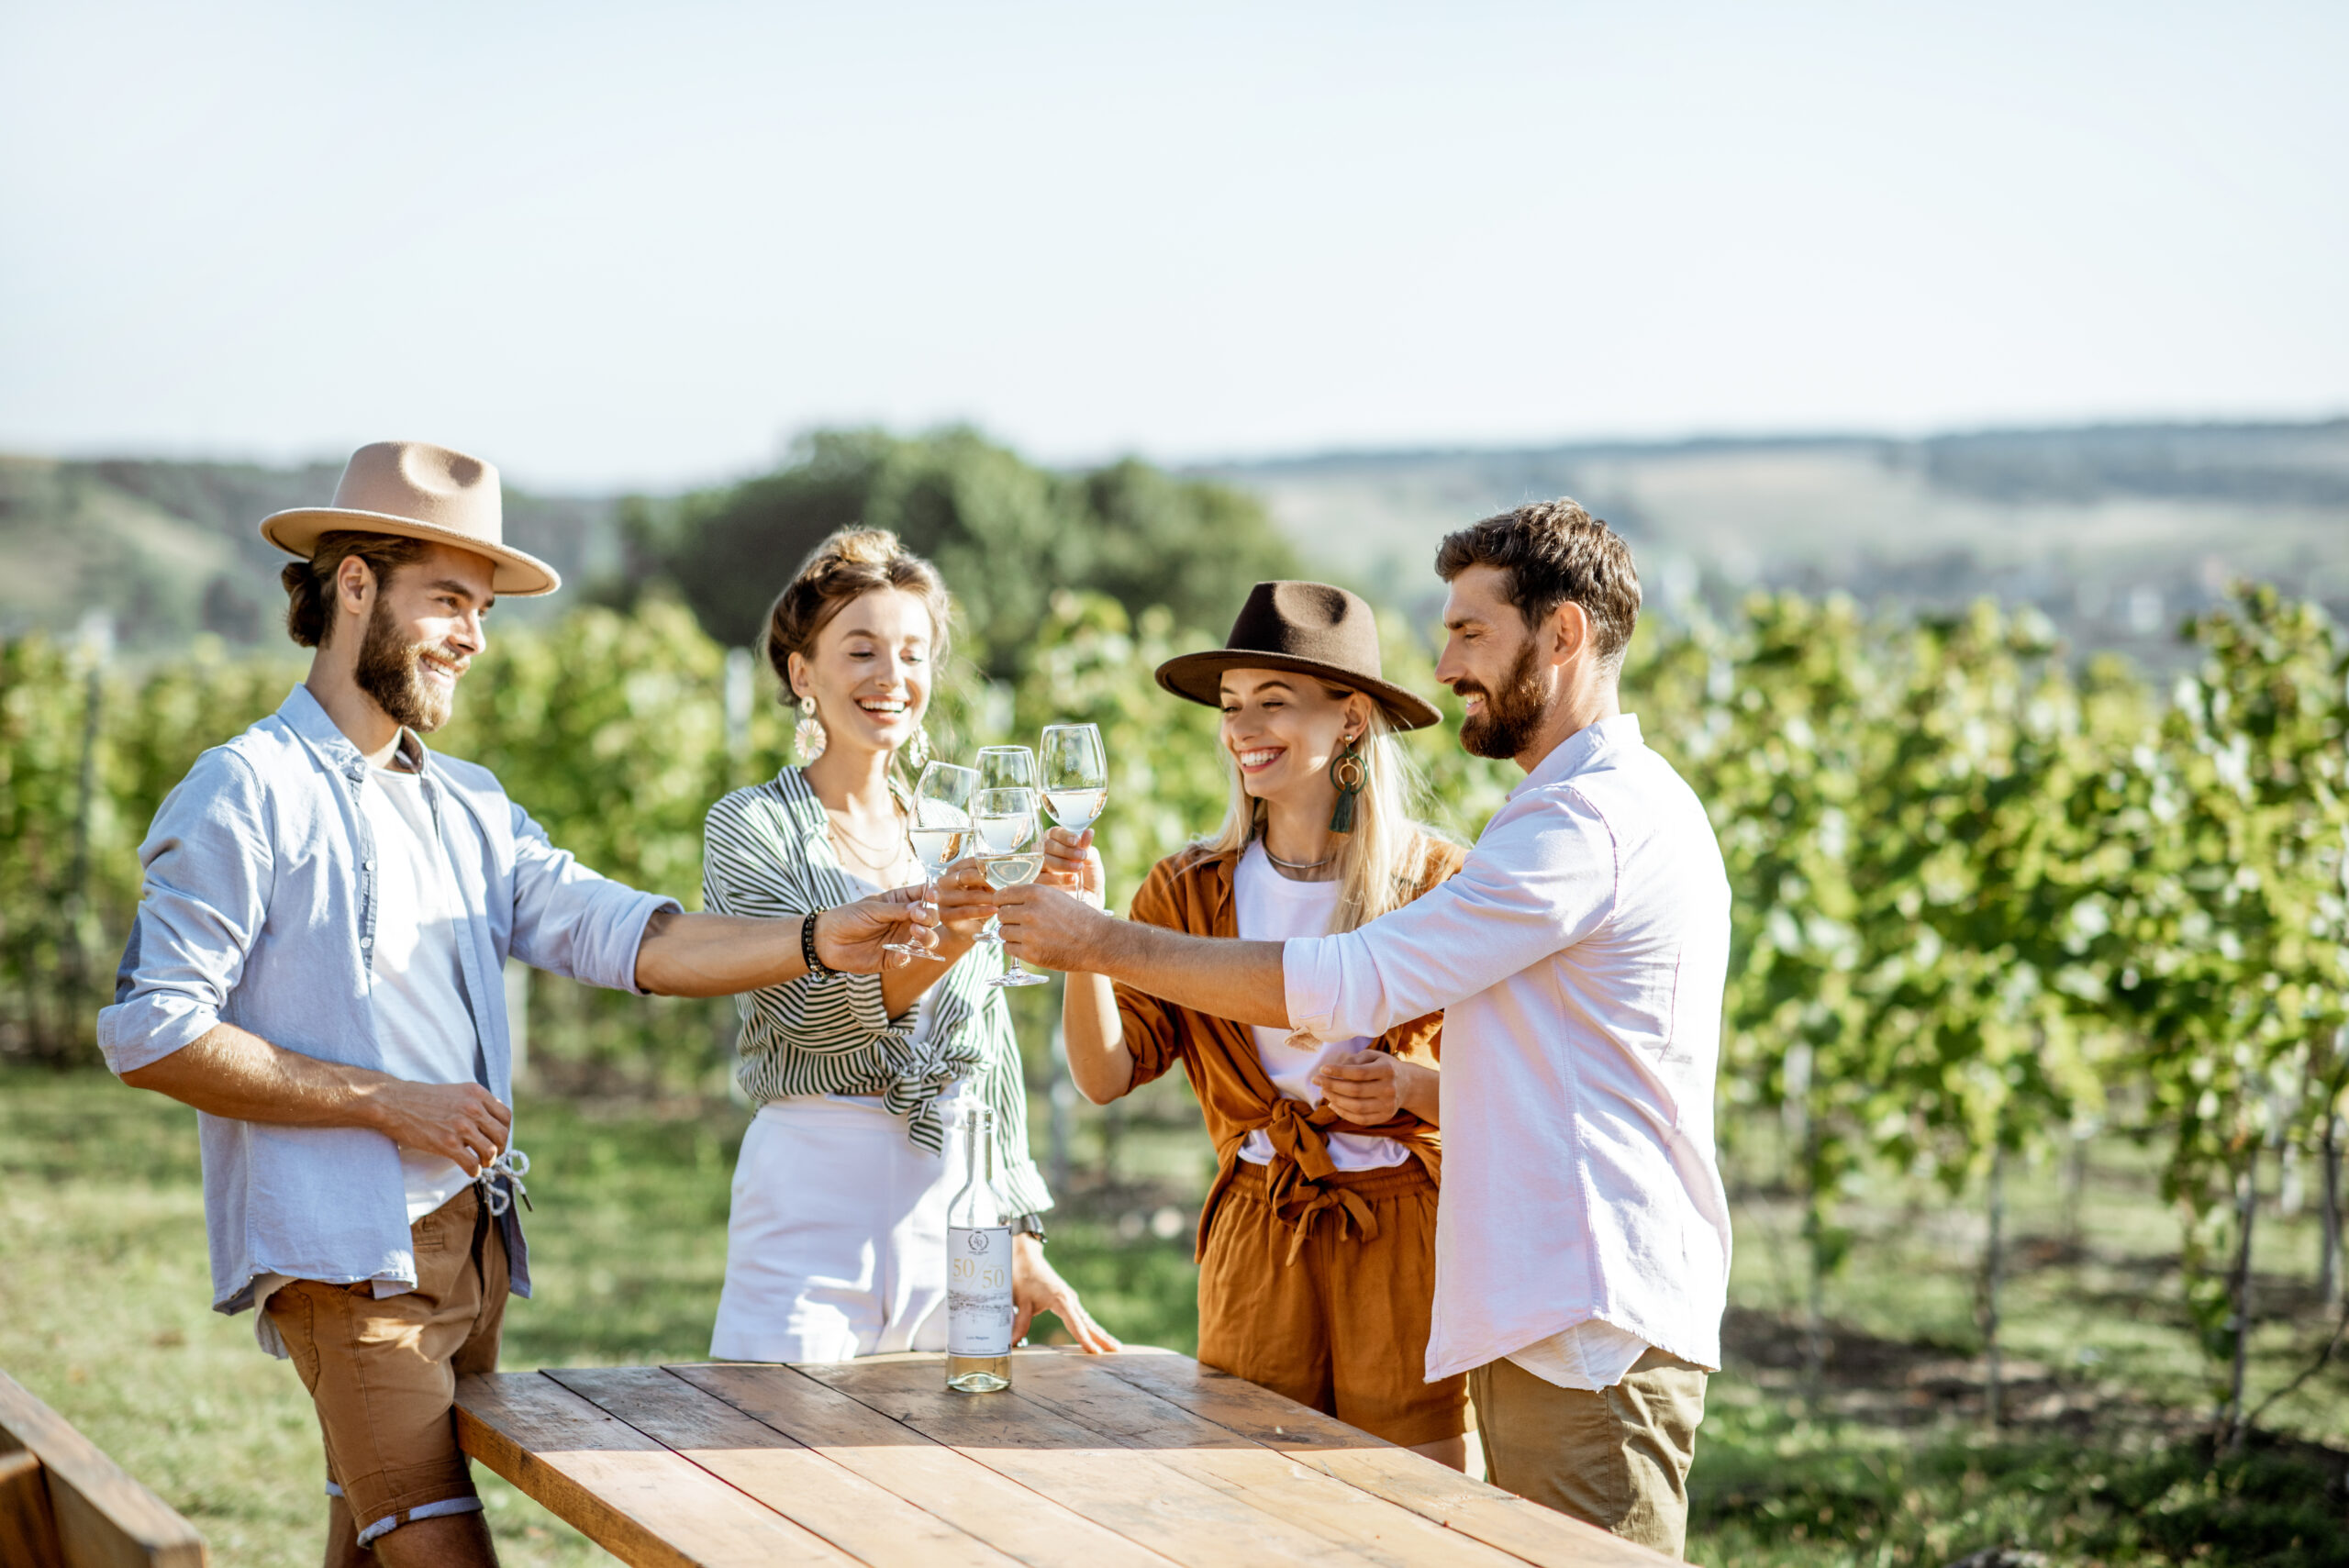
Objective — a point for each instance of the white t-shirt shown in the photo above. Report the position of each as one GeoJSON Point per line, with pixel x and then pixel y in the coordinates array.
{"type": "Point", "coordinates": [422, 1023]}
{"type": "Point", "coordinates": [1270, 908]}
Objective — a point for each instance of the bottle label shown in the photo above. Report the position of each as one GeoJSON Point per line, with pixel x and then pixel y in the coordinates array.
{"type": "Point", "coordinates": [978, 1291]}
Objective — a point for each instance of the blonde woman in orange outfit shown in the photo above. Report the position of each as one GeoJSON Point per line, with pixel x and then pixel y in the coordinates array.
{"type": "Point", "coordinates": [1316, 1245]}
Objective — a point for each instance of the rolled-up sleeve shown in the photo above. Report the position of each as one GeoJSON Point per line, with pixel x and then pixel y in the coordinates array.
{"type": "Point", "coordinates": [1543, 877]}
{"type": "Point", "coordinates": [207, 861]}
{"type": "Point", "coordinates": [571, 921]}
{"type": "Point", "coordinates": [753, 867]}
{"type": "Point", "coordinates": [1148, 1024]}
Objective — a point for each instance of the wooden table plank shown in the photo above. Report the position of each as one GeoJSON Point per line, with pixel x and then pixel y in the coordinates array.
{"type": "Point", "coordinates": [860, 1518]}
{"type": "Point", "coordinates": [646, 1505]}
{"type": "Point", "coordinates": [956, 1488]}
{"type": "Point", "coordinates": [1500, 1518]}
{"type": "Point", "coordinates": [1128, 1492]}
{"type": "Point", "coordinates": [1314, 1499]}
{"type": "Point", "coordinates": [1248, 1408]}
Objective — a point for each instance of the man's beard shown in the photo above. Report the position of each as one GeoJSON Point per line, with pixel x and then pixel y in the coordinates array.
{"type": "Point", "coordinates": [1511, 715]}
{"type": "Point", "coordinates": [388, 671]}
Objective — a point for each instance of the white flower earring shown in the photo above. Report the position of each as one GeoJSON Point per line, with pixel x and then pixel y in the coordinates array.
{"type": "Point", "coordinates": [807, 736]}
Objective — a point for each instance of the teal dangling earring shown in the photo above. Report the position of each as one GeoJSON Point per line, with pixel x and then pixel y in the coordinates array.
{"type": "Point", "coordinates": [1348, 771]}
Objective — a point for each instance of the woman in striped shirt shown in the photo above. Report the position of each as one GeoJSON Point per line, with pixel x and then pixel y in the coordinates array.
{"type": "Point", "coordinates": [836, 1244]}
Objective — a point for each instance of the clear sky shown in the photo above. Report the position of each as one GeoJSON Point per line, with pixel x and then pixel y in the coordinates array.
{"type": "Point", "coordinates": [644, 244]}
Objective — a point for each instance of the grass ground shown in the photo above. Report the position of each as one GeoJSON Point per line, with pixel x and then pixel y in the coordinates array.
{"type": "Point", "coordinates": [104, 1313]}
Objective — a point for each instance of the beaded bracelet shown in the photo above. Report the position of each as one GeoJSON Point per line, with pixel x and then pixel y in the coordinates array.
{"type": "Point", "coordinates": [807, 946]}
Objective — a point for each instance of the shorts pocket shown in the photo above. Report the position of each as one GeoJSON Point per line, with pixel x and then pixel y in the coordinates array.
{"type": "Point", "coordinates": [296, 1315]}
{"type": "Point", "coordinates": [446, 1229]}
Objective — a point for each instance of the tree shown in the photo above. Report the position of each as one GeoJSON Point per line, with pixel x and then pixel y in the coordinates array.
{"type": "Point", "coordinates": [1004, 534]}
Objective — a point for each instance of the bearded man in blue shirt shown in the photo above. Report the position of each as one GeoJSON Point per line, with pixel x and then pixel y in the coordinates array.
{"type": "Point", "coordinates": [316, 967]}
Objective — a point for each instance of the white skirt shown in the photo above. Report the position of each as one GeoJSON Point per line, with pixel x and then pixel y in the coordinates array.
{"type": "Point", "coordinates": [836, 1246]}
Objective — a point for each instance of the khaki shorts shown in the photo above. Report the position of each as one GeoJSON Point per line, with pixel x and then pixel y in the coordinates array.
{"type": "Point", "coordinates": [383, 1373]}
{"type": "Point", "coordinates": [1615, 1457]}
{"type": "Point", "coordinates": [1344, 1326]}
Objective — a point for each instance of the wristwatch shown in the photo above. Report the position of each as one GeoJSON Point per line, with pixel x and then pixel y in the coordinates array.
{"type": "Point", "coordinates": [1028, 1225]}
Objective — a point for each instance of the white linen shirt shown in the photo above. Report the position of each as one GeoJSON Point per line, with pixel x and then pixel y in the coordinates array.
{"type": "Point", "coordinates": [1579, 956]}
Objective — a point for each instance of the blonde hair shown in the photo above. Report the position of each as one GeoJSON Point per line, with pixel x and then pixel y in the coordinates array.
{"type": "Point", "coordinates": [1390, 856]}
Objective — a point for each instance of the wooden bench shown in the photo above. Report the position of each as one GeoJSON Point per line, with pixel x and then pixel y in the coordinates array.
{"type": "Point", "coordinates": [65, 1505]}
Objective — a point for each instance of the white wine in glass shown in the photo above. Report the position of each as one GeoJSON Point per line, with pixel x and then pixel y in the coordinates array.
{"type": "Point", "coordinates": [942, 821]}
{"type": "Point", "coordinates": [1003, 820]}
{"type": "Point", "coordinates": [1076, 775]}
{"type": "Point", "coordinates": [939, 845]}
{"type": "Point", "coordinates": [1004, 767]}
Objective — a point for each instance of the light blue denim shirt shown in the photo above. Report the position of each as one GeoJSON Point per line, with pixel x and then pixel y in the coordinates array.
{"type": "Point", "coordinates": [260, 911]}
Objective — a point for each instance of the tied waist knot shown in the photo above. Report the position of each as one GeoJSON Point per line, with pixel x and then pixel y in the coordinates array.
{"type": "Point", "coordinates": [913, 1094]}
{"type": "Point", "coordinates": [501, 1182]}
{"type": "Point", "coordinates": [1295, 1181]}
{"type": "Point", "coordinates": [1300, 1162]}
{"type": "Point", "coordinates": [1298, 1203]}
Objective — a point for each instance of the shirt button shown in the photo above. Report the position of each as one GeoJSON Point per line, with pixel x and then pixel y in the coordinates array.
{"type": "Point", "coordinates": [366, 941]}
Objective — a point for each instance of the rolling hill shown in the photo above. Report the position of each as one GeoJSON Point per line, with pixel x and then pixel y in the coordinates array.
{"type": "Point", "coordinates": [2114, 532]}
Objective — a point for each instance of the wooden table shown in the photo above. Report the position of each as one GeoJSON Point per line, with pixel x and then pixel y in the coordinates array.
{"type": "Point", "coordinates": [1087, 1461]}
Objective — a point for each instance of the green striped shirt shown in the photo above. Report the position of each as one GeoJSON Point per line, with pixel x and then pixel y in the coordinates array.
{"type": "Point", "coordinates": [767, 852]}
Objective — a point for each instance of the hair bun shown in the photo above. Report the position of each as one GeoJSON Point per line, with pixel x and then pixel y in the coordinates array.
{"type": "Point", "coordinates": [850, 563]}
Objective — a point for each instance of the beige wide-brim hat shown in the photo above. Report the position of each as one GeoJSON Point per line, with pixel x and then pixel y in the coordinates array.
{"type": "Point", "coordinates": [417, 490]}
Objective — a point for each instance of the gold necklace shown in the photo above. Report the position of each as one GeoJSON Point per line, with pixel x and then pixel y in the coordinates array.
{"type": "Point", "coordinates": [868, 852]}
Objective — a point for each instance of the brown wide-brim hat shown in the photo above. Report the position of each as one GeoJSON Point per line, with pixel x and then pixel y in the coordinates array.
{"type": "Point", "coordinates": [1310, 627]}
{"type": "Point", "coordinates": [417, 490]}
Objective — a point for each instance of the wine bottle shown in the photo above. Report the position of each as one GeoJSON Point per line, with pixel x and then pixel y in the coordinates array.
{"type": "Point", "coordinates": [979, 1310]}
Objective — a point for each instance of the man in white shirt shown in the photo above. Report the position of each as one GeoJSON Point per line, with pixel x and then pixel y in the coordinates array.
{"type": "Point", "coordinates": [1582, 1239]}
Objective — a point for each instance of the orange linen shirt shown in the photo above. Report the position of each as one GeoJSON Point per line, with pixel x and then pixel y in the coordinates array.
{"type": "Point", "coordinates": [1191, 892]}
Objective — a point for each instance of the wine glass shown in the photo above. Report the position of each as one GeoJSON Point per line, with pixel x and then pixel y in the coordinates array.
{"type": "Point", "coordinates": [1006, 767]}
{"type": "Point", "coordinates": [1076, 775]}
{"type": "Point", "coordinates": [941, 820]}
{"type": "Point", "coordinates": [1003, 820]}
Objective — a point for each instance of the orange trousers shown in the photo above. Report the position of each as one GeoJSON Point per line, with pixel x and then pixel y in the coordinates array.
{"type": "Point", "coordinates": [1343, 1327]}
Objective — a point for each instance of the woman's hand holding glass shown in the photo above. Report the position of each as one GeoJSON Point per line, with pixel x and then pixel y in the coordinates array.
{"type": "Point", "coordinates": [1071, 863]}
{"type": "Point", "coordinates": [965, 901]}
